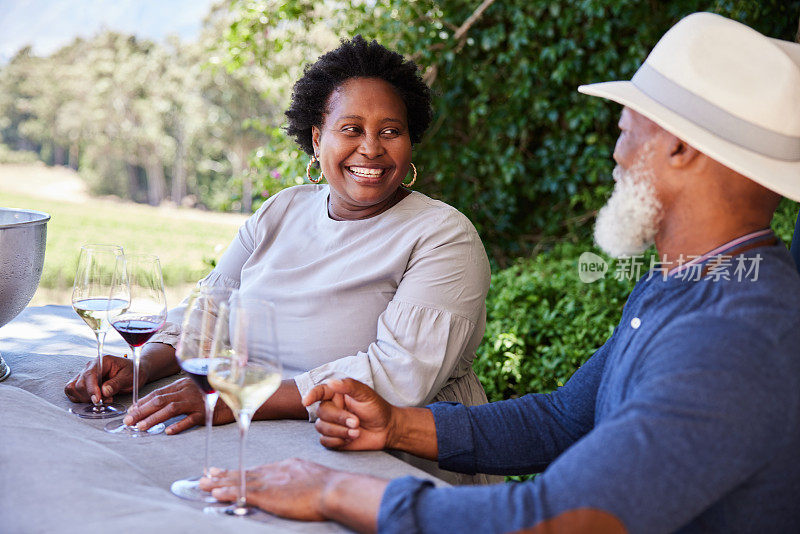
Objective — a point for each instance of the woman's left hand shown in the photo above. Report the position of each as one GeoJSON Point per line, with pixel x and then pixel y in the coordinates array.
{"type": "Point", "coordinates": [180, 397]}
{"type": "Point", "coordinates": [292, 488]}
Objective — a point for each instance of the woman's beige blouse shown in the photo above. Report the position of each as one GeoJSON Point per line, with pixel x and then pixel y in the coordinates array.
{"type": "Point", "coordinates": [395, 301]}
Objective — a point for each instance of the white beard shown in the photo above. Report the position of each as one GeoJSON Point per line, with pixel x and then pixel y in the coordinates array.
{"type": "Point", "coordinates": [627, 225]}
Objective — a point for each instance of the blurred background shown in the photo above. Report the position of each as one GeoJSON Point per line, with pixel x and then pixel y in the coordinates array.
{"type": "Point", "coordinates": [157, 125]}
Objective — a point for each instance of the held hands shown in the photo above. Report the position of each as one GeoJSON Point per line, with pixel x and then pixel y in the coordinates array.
{"type": "Point", "coordinates": [117, 378]}
{"type": "Point", "coordinates": [178, 398]}
{"type": "Point", "coordinates": [352, 417]}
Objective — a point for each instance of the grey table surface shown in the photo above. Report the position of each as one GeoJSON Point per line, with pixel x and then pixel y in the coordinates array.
{"type": "Point", "coordinates": [60, 473]}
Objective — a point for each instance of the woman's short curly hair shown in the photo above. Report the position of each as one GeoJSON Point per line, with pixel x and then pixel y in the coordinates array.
{"type": "Point", "coordinates": [356, 58]}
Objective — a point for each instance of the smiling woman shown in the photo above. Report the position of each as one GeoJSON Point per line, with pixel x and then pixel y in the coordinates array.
{"type": "Point", "coordinates": [370, 280]}
{"type": "Point", "coordinates": [365, 147]}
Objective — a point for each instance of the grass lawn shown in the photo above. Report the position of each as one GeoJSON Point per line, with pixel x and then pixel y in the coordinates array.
{"type": "Point", "coordinates": [185, 240]}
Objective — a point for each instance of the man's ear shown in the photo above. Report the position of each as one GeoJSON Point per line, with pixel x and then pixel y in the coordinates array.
{"type": "Point", "coordinates": [681, 153]}
{"type": "Point", "coordinates": [315, 133]}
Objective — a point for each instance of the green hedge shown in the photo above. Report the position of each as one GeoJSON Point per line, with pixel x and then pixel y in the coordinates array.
{"type": "Point", "coordinates": [543, 322]}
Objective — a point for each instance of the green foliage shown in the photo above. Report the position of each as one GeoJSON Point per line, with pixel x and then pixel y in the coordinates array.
{"type": "Point", "coordinates": [276, 38]}
{"type": "Point", "coordinates": [784, 220]}
{"type": "Point", "coordinates": [543, 322]}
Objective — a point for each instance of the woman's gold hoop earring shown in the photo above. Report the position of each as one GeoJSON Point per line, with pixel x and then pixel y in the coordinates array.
{"type": "Point", "coordinates": [414, 179]}
{"type": "Point", "coordinates": [308, 171]}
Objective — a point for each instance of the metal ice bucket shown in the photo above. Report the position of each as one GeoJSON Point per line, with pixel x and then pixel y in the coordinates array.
{"type": "Point", "coordinates": [23, 234]}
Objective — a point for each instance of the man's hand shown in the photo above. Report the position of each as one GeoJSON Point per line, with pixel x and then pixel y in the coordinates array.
{"type": "Point", "coordinates": [352, 417]}
{"type": "Point", "coordinates": [291, 488]}
{"type": "Point", "coordinates": [180, 397]}
{"type": "Point", "coordinates": [299, 489]}
{"type": "Point", "coordinates": [117, 378]}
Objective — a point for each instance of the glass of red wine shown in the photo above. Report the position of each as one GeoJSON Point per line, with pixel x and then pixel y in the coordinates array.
{"type": "Point", "coordinates": [207, 306]}
{"type": "Point", "coordinates": [139, 285]}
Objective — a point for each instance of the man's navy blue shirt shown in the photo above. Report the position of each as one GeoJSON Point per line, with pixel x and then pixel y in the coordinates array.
{"type": "Point", "coordinates": [796, 243]}
{"type": "Point", "coordinates": [687, 419]}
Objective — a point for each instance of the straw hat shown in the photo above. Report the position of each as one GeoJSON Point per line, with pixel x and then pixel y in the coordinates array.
{"type": "Point", "coordinates": [728, 91]}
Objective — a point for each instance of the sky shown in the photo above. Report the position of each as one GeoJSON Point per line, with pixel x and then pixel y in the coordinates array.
{"type": "Point", "coordinates": [48, 25]}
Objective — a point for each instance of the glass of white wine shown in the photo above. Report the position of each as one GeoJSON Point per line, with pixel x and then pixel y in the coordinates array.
{"type": "Point", "coordinates": [246, 372]}
{"type": "Point", "coordinates": [90, 299]}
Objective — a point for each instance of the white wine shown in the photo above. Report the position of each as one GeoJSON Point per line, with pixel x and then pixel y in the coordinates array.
{"type": "Point", "coordinates": [246, 388]}
{"type": "Point", "coordinates": [95, 311]}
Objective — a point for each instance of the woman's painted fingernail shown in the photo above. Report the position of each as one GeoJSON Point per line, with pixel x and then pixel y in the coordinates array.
{"type": "Point", "coordinates": [94, 399]}
{"type": "Point", "coordinates": [352, 423]}
{"type": "Point", "coordinates": [353, 432]}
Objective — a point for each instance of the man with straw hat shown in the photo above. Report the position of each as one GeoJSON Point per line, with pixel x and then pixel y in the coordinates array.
{"type": "Point", "coordinates": [688, 418]}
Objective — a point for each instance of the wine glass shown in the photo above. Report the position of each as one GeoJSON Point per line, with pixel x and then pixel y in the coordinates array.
{"type": "Point", "coordinates": [90, 299]}
{"type": "Point", "coordinates": [248, 376]}
{"type": "Point", "coordinates": [206, 306]}
{"type": "Point", "coordinates": [139, 285]}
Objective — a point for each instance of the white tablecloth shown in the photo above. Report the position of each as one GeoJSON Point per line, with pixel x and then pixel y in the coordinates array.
{"type": "Point", "coordinates": [61, 474]}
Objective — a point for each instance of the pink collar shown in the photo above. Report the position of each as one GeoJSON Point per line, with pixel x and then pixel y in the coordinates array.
{"type": "Point", "coordinates": [719, 250]}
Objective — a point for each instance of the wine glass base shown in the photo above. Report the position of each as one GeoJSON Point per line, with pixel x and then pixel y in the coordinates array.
{"type": "Point", "coordinates": [5, 370]}
{"type": "Point", "coordinates": [116, 427]}
{"type": "Point", "coordinates": [189, 489]}
{"type": "Point", "coordinates": [105, 411]}
{"type": "Point", "coordinates": [232, 510]}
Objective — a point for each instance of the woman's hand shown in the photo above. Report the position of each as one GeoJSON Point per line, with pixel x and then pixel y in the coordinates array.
{"type": "Point", "coordinates": [351, 416]}
{"type": "Point", "coordinates": [117, 378]}
{"type": "Point", "coordinates": [179, 398]}
{"type": "Point", "coordinates": [157, 361]}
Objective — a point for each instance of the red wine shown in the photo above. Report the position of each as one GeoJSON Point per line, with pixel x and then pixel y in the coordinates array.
{"type": "Point", "coordinates": [136, 331]}
{"type": "Point", "coordinates": [197, 368]}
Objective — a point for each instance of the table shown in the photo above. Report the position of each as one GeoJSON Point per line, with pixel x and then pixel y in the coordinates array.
{"type": "Point", "coordinates": [61, 473]}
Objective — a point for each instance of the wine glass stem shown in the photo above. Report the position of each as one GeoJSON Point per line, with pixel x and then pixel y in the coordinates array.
{"type": "Point", "coordinates": [211, 402]}
{"type": "Point", "coordinates": [137, 351]}
{"type": "Point", "coordinates": [244, 424]}
{"type": "Point", "coordinates": [101, 338]}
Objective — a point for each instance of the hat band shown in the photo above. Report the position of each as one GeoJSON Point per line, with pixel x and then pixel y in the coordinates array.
{"type": "Point", "coordinates": [715, 119]}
